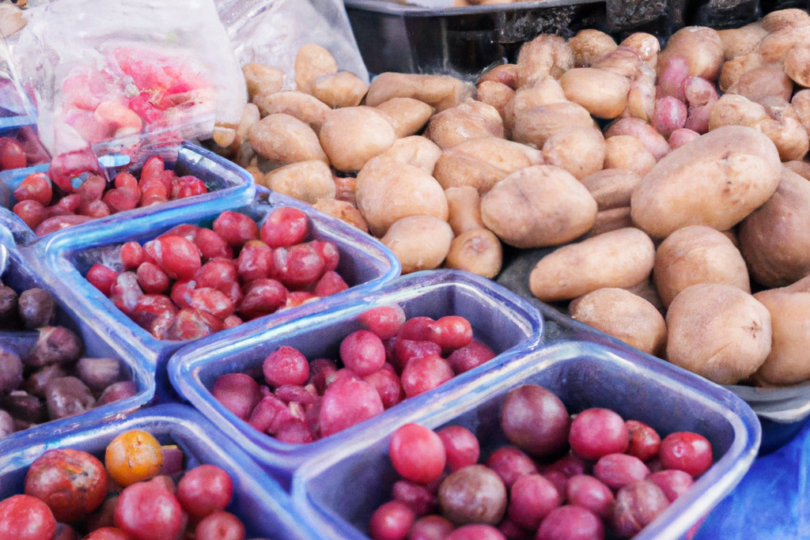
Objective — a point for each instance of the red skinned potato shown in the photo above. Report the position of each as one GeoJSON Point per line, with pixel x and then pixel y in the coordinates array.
{"type": "Point", "coordinates": [773, 239]}
{"type": "Point", "coordinates": [653, 141]}
{"type": "Point", "coordinates": [719, 332]}
{"type": "Point", "coordinates": [697, 254]}
{"type": "Point", "coordinates": [621, 259]}
{"type": "Point", "coordinates": [623, 315]}
{"type": "Point", "coordinates": [716, 180]}
{"type": "Point", "coordinates": [538, 206]}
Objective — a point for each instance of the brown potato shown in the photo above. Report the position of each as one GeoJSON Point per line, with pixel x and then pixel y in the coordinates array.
{"type": "Point", "coordinates": [801, 106]}
{"type": "Point", "coordinates": [464, 205]}
{"type": "Point", "coordinates": [646, 290]}
{"type": "Point", "coordinates": [306, 181]}
{"type": "Point", "coordinates": [796, 64]}
{"type": "Point", "coordinates": [415, 150]}
{"type": "Point", "coordinates": [589, 46]}
{"type": "Point", "coordinates": [626, 63]}
{"type": "Point", "coordinates": [789, 136]}
{"type": "Point", "coordinates": [741, 41]}
{"type": "Point", "coordinates": [302, 106]}
{"type": "Point", "coordinates": [482, 163]}
{"type": "Point", "coordinates": [312, 61]}
{"type": "Point", "coordinates": [695, 255]}
{"type": "Point", "coordinates": [734, 69]}
{"type": "Point", "coordinates": [621, 259]}
{"type": "Point", "coordinates": [470, 120]}
{"type": "Point", "coordinates": [262, 79]}
{"type": "Point", "coordinates": [284, 139]}
{"type": "Point", "coordinates": [544, 93]}
{"type": "Point", "coordinates": [762, 82]}
{"type": "Point", "coordinates": [495, 94]}
{"type": "Point", "coordinates": [640, 101]}
{"type": "Point", "coordinates": [718, 332]}
{"type": "Point", "coordinates": [627, 152]}
{"type": "Point", "coordinates": [545, 56]}
{"type": "Point", "coordinates": [538, 124]}
{"type": "Point", "coordinates": [344, 189]}
{"type": "Point", "coordinates": [775, 46]}
{"type": "Point", "coordinates": [579, 151]}
{"type": "Point", "coordinates": [774, 240]}
{"type": "Point", "coordinates": [612, 188]}
{"type": "Point", "coordinates": [802, 168]}
{"type": "Point", "coordinates": [700, 46]}
{"type": "Point", "coordinates": [408, 115]}
{"type": "Point", "coordinates": [477, 251]}
{"type": "Point", "coordinates": [715, 180]}
{"type": "Point", "coordinates": [354, 135]}
{"type": "Point", "coordinates": [600, 92]}
{"type": "Point", "coordinates": [623, 315]}
{"type": "Point", "coordinates": [250, 117]}
{"type": "Point", "coordinates": [505, 74]}
{"type": "Point", "coordinates": [343, 211]}
{"type": "Point", "coordinates": [651, 139]}
{"type": "Point", "coordinates": [784, 18]}
{"type": "Point", "coordinates": [646, 45]}
{"type": "Point", "coordinates": [419, 242]}
{"type": "Point", "coordinates": [789, 359]}
{"type": "Point", "coordinates": [438, 91]}
{"type": "Point", "coordinates": [343, 89]}
{"type": "Point", "coordinates": [538, 206]}
{"type": "Point", "coordinates": [731, 110]}
{"type": "Point", "coordinates": [610, 220]}
{"type": "Point", "coordinates": [387, 192]}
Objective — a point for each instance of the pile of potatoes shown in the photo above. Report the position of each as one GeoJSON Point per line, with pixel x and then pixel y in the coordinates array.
{"type": "Point", "coordinates": [694, 192]}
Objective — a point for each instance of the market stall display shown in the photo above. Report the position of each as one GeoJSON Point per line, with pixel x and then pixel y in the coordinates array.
{"type": "Point", "coordinates": [235, 238]}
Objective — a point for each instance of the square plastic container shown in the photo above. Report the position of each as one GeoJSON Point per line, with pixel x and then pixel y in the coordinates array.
{"type": "Point", "coordinates": [228, 185]}
{"type": "Point", "coordinates": [19, 275]}
{"type": "Point", "coordinates": [582, 375]}
{"type": "Point", "coordinates": [365, 265]}
{"type": "Point", "coordinates": [261, 504]}
{"type": "Point", "coordinates": [499, 319]}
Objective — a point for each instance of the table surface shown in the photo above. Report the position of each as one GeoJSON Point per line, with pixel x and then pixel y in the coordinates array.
{"type": "Point", "coordinates": [769, 503]}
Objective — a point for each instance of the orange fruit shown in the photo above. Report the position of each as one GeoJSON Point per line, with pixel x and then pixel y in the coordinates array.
{"type": "Point", "coordinates": [132, 457]}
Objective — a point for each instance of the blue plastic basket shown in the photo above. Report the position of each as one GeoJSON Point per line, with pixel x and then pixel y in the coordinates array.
{"type": "Point", "coordinates": [20, 276]}
{"type": "Point", "coordinates": [261, 504]}
{"type": "Point", "coordinates": [365, 265]}
{"type": "Point", "coordinates": [505, 322]}
{"type": "Point", "coordinates": [582, 375]}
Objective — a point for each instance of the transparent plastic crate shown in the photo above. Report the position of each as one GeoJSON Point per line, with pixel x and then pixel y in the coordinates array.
{"type": "Point", "coordinates": [365, 265]}
{"type": "Point", "coordinates": [499, 319]}
{"type": "Point", "coordinates": [20, 276]}
{"type": "Point", "coordinates": [582, 375]}
{"type": "Point", "coordinates": [228, 185]}
{"type": "Point", "coordinates": [261, 504]}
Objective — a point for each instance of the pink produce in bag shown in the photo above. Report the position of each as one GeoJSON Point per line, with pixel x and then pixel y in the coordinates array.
{"type": "Point", "coordinates": [128, 76]}
{"type": "Point", "coordinates": [270, 32]}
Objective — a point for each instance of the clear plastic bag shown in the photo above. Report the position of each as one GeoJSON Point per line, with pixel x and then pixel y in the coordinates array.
{"type": "Point", "coordinates": [270, 32]}
{"type": "Point", "coordinates": [124, 75]}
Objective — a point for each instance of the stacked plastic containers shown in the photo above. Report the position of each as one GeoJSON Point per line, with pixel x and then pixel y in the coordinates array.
{"type": "Point", "coordinates": [21, 276]}
{"type": "Point", "coordinates": [228, 185]}
{"type": "Point", "coordinates": [500, 319]}
{"type": "Point", "coordinates": [364, 264]}
{"type": "Point", "coordinates": [582, 375]}
{"type": "Point", "coordinates": [258, 501]}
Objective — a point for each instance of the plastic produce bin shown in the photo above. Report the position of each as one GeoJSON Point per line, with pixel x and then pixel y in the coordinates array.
{"type": "Point", "coordinates": [365, 265]}
{"type": "Point", "coordinates": [258, 500]}
{"type": "Point", "coordinates": [500, 319]}
{"type": "Point", "coordinates": [19, 275]}
{"type": "Point", "coordinates": [582, 375]}
{"type": "Point", "coordinates": [228, 185]}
